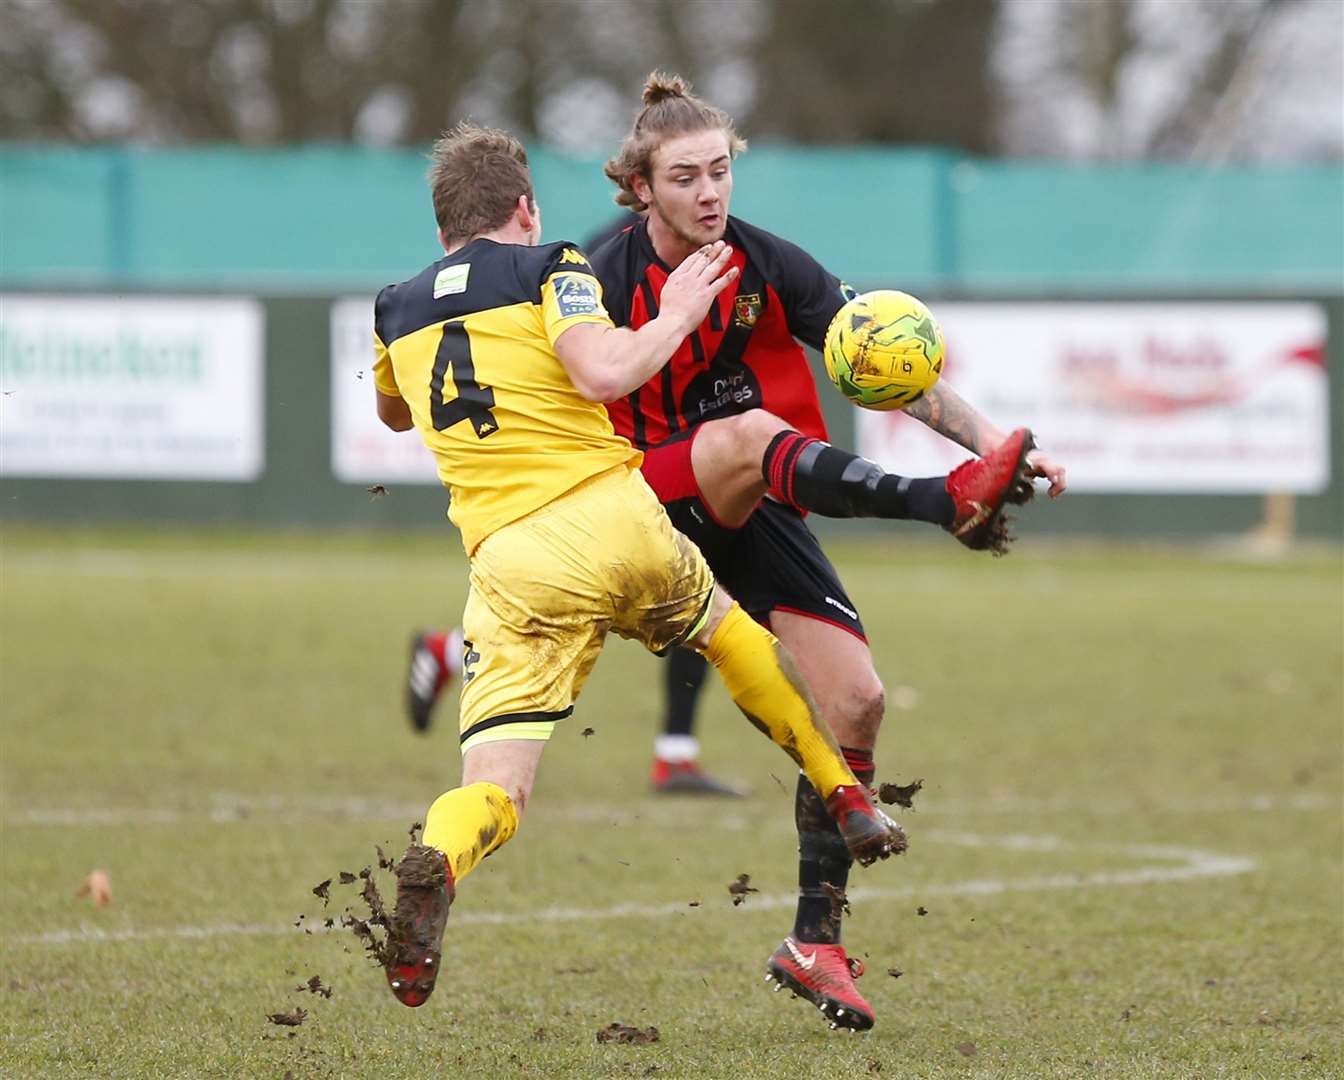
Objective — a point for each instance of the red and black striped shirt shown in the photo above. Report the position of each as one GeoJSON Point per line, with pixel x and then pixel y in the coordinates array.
{"type": "Point", "coordinates": [745, 355]}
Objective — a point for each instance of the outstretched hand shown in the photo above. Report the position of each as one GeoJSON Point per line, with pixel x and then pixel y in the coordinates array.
{"type": "Point", "coordinates": [1045, 467]}
{"type": "Point", "coordinates": [693, 285]}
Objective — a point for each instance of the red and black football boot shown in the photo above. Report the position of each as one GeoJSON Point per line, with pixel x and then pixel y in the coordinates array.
{"type": "Point", "coordinates": [687, 778]}
{"type": "Point", "coordinates": [435, 661]}
{"type": "Point", "coordinates": [980, 488]}
{"type": "Point", "coordinates": [425, 891]}
{"type": "Point", "coordinates": [869, 834]}
{"type": "Point", "coordinates": [825, 976]}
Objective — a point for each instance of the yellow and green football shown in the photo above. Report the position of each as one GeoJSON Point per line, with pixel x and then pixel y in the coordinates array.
{"type": "Point", "coordinates": [884, 350]}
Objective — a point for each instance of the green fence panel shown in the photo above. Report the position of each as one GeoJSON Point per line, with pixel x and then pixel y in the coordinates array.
{"type": "Point", "coordinates": [1021, 225]}
{"type": "Point", "coordinates": [314, 218]}
{"type": "Point", "coordinates": [59, 215]}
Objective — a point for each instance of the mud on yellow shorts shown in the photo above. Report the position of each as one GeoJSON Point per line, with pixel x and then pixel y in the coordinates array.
{"type": "Point", "coordinates": [547, 588]}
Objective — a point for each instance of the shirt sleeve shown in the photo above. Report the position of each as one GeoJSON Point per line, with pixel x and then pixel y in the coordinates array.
{"type": "Point", "coordinates": [811, 294]}
{"type": "Point", "coordinates": [570, 293]}
{"type": "Point", "coordinates": [384, 379]}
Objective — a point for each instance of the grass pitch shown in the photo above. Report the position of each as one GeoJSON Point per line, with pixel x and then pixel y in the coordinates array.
{"type": "Point", "coordinates": [1127, 853]}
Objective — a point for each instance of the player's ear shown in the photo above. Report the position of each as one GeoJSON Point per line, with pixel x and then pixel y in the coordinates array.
{"type": "Point", "coordinates": [528, 215]}
{"type": "Point", "coordinates": [643, 190]}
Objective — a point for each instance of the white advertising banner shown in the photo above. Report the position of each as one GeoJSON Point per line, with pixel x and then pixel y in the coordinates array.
{"type": "Point", "coordinates": [1135, 397]}
{"type": "Point", "coordinates": [158, 388]}
{"type": "Point", "coordinates": [363, 450]}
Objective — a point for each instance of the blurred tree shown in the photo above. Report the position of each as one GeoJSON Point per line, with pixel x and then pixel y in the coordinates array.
{"type": "Point", "coordinates": [1204, 80]}
{"type": "Point", "coordinates": [1087, 79]}
{"type": "Point", "coordinates": [903, 71]}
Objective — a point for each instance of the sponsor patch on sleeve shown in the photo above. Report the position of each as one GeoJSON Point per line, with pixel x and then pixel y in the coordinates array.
{"type": "Point", "coordinates": [576, 294]}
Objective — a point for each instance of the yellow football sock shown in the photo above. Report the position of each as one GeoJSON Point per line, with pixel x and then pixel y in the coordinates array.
{"type": "Point", "coordinates": [766, 686]}
{"type": "Point", "coordinates": [468, 823]}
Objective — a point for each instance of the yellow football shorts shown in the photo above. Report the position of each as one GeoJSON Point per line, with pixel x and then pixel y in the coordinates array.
{"type": "Point", "coordinates": [545, 589]}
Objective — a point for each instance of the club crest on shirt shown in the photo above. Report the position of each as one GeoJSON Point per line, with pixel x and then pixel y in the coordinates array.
{"type": "Point", "coordinates": [747, 309]}
{"type": "Point", "coordinates": [576, 294]}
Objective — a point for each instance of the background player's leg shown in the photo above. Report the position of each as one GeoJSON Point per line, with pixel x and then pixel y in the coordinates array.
{"type": "Point", "coordinates": [676, 767]}
{"type": "Point", "coordinates": [436, 658]}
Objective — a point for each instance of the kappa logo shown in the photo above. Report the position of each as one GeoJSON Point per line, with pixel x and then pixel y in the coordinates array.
{"type": "Point", "coordinates": [804, 961]}
{"type": "Point", "coordinates": [572, 255]}
{"type": "Point", "coordinates": [747, 309]}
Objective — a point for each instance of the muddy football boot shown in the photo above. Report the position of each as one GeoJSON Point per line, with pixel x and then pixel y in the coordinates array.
{"type": "Point", "coordinates": [825, 976]}
{"type": "Point", "coordinates": [980, 488]}
{"type": "Point", "coordinates": [427, 676]}
{"type": "Point", "coordinates": [687, 778]}
{"type": "Point", "coordinates": [425, 891]}
{"type": "Point", "coordinates": [869, 834]}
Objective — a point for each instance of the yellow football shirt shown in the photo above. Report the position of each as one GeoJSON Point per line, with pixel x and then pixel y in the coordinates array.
{"type": "Point", "coordinates": [469, 344]}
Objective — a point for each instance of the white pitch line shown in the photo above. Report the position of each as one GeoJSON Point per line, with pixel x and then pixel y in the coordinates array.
{"type": "Point", "coordinates": [240, 810]}
{"type": "Point", "coordinates": [1191, 864]}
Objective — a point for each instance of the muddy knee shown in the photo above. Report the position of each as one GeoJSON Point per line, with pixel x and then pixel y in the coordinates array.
{"type": "Point", "coordinates": [860, 718]}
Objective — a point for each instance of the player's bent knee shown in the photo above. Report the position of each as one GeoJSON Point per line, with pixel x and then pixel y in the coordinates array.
{"type": "Point", "coordinates": [861, 716]}
{"type": "Point", "coordinates": [753, 430]}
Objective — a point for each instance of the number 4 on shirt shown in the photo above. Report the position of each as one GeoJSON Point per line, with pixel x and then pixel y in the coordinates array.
{"type": "Point", "coordinates": [473, 401]}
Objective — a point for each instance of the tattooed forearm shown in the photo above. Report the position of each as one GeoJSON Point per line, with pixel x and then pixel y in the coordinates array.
{"type": "Point", "coordinates": [945, 412]}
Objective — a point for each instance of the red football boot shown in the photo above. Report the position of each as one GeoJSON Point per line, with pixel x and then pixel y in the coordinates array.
{"type": "Point", "coordinates": [825, 976]}
{"type": "Point", "coordinates": [425, 891]}
{"type": "Point", "coordinates": [687, 778]}
{"type": "Point", "coordinates": [980, 487]}
{"type": "Point", "coordinates": [435, 661]}
{"type": "Point", "coordinates": [869, 834]}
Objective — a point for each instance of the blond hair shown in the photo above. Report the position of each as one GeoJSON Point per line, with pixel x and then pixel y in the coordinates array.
{"type": "Point", "coordinates": [669, 109]}
{"type": "Point", "coordinates": [476, 176]}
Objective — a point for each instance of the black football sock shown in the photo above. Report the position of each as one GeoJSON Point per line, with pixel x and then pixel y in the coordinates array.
{"type": "Point", "coordinates": [684, 675]}
{"type": "Point", "coordinates": [823, 857]}
{"type": "Point", "coordinates": [813, 475]}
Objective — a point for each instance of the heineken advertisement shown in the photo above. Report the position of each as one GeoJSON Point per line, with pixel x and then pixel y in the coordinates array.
{"type": "Point", "coordinates": [131, 388]}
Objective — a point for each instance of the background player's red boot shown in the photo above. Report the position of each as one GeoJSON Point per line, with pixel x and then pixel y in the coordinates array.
{"type": "Point", "coordinates": [980, 487]}
{"type": "Point", "coordinates": [869, 834]}
{"type": "Point", "coordinates": [687, 778]}
{"type": "Point", "coordinates": [825, 976]}
{"type": "Point", "coordinates": [435, 660]}
{"type": "Point", "coordinates": [425, 891]}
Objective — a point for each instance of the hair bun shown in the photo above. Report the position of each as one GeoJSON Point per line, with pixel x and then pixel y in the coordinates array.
{"type": "Point", "coordinates": [660, 86]}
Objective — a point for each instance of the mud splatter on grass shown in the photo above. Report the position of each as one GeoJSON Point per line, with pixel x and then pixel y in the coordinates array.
{"type": "Point", "coordinates": [625, 1033]}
